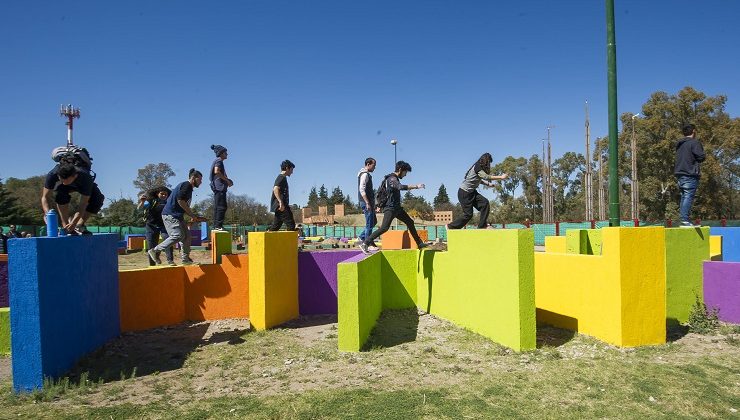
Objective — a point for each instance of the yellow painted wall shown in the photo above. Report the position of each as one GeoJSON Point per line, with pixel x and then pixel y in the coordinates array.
{"type": "Point", "coordinates": [715, 248]}
{"type": "Point", "coordinates": [555, 244]}
{"type": "Point", "coordinates": [617, 297]}
{"type": "Point", "coordinates": [273, 278]}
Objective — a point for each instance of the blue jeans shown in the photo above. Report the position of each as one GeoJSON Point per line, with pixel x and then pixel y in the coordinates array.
{"type": "Point", "coordinates": [687, 185]}
{"type": "Point", "coordinates": [370, 221]}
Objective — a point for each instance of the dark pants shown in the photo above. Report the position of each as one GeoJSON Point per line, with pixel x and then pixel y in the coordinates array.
{"type": "Point", "coordinates": [388, 216]}
{"type": "Point", "coordinates": [469, 200]}
{"type": "Point", "coordinates": [687, 185]}
{"type": "Point", "coordinates": [152, 240]}
{"type": "Point", "coordinates": [219, 208]}
{"type": "Point", "coordinates": [370, 221]}
{"type": "Point", "coordinates": [93, 205]}
{"type": "Point", "coordinates": [285, 216]}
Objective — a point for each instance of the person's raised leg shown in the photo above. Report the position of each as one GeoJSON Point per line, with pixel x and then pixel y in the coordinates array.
{"type": "Point", "coordinates": [466, 202]}
{"type": "Point", "coordinates": [409, 222]}
{"type": "Point", "coordinates": [484, 207]}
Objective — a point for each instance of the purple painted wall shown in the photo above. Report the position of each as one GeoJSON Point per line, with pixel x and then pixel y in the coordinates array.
{"type": "Point", "coordinates": [317, 280]}
{"type": "Point", "coordinates": [4, 301]}
{"type": "Point", "coordinates": [722, 289]}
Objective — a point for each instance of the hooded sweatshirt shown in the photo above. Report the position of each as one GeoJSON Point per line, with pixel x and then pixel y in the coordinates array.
{"type": "Point", "coordinates": [689, 154]}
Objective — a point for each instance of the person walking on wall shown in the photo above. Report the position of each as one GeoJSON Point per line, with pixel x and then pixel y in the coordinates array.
{"type": "Point", "coordinates": [389, 201]}
{"type": "Point", "coordinates": [219, 184]}
{"type": "Point", "coordinates": [468, 195]}
{"type": "Point", "coordinates": [173, 216]}
{"type": "Point", "coordinates": [366, 198]}
{"type": "Point", "coordinates": [153, 203]}
{"type": "Point", "coordinates": [280, 199]}
{"type": "Point", "coordinates": [689, 154]}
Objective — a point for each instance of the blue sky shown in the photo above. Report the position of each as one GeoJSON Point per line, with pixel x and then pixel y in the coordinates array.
{"type": "Point", "coordinates": [328, 83]}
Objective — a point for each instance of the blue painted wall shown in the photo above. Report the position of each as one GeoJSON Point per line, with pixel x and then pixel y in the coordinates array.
{"type": "Point", "coordinates": [730, 242]}
{"type": "Point", "coordinates": [64, 295]}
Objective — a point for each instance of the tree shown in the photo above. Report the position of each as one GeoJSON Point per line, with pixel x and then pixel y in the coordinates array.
{"type": "Point", "coordinates": [417, 207]}
{"type": "Point", "coordinates": [27, 193]}
{"type": "Point", "coordinates": [337, 196]}
{"type": "Point", "coordinates": [313, 200]}
{"type": "Point", "coordinates": [323, 196]}
{"type": "Point", "coordinates": [242, 210]}
{"type": "Point", "coordinates": [442, 200]}
{"type": "Point", "coordinates": [10, 211]}
{"type": "Point", "coordinates": [349, 206]}
{"type": "Point", "coordinates": [153, 175]}
{"type": "Point", "coordinates": [120, 212]}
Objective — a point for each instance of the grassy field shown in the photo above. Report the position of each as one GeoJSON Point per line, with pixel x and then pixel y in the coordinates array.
{"type": "Point", "coordinates": [415, 366]}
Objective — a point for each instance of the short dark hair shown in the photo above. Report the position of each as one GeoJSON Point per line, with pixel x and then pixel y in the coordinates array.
{"type": "Point", "coordinates": [402, 166]}
{"type": "Point", "coordinates": [194, 173]}
{"type": "Point", "coordinates": [66, 170]}
{"type": "Point", "coordinates": [286, 164]}
{"type": "Point", "coordinates": [369, 161]}
{"type": "Point", "coordinates": [688, 129]}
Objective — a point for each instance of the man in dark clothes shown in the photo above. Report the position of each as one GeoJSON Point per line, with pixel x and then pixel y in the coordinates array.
{"type": "Point", "coordinates": [219, 184]}
{"type": "Point", "coordinates": [13, 232]}
{"type": "Point", "coordinates": [280, 199]}
{"type": "Point", "coordinates": [689, 154]}
{"type": "Point", "coordinates": [66, 178]}
{"type": "Point", "coordinates": [392, 207]}
{"type": "Point", "coordinates": [153, 203]}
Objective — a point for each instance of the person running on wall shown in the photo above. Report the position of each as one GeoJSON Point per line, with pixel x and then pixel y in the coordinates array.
{"type": "Point", "coordinates": [689, 154]}
{"type": "Point", "coordinates": [153, 203]}
{"type": "Point", "coordinates": [219, 184]}
{"type": "Point", "coordinates": [173, 216]}
{"type": "Point", "coordinates": [366, 198]}
{"type": "Point", "coordinates": [468, 195]}
{"type": "Point", "coordinates": [280, 199]}
{"type": "Point", "coordinates": [390, 203]}
{"type": "Point", "coordinates": [64, 179]}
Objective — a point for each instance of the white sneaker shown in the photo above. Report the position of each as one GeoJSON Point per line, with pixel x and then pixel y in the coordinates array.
{"type": "Point", "coordinates": [372, 248]}
{"type": "Point", "coordinates": [365, 249]}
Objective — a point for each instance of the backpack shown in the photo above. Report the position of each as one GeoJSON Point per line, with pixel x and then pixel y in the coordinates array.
{"type": "Point", "coordinates": [382, 194]}
{"type": "Point", "coordinates": [78, 156]}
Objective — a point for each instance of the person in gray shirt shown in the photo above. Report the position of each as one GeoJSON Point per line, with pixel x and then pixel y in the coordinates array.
{"type": "Point", "coordinates": [468, 195]}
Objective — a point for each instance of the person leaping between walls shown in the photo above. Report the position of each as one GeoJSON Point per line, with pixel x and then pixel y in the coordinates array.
{"type": "Point", "coordinates": [468, 195]}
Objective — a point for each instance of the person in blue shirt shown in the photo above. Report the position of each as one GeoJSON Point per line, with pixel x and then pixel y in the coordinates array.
{"type": "Point", "coordinates": [219, 184]}
{"type": "Point", "coordinates": [173, 216]}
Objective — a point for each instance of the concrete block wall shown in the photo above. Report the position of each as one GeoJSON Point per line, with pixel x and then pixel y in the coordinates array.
{"type": "Point", "coordinates": [273, 278]}
{"type": "Point", "coordinates": [686, 250]}
{"type": "Point", "coordinates": [317, 280]}
{"type": "Point", "coordinates": [62, 306]}
{"type": "Point", "coordinates": [722, 289]}
{"type": "Point", "coordinates": [5, 331]}
{"type": "Point", "coordinates": [401, 239]}
{"type": "Point", "coordinates": [360, 299]}
{"type": "Point", "coordinates": [220, 245]}
{"type": "Point", "coordinates": [4, 297]}
{"type": "Point", "coordinates": [730, 242]}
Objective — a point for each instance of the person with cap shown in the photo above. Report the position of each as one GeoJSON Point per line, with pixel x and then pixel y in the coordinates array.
{"type": "Point", "coordinates": [280, 199]}
{"type": "Point", "coordinates": [468, 195]}
{"type": "Point", "coordinates": [219, 184]}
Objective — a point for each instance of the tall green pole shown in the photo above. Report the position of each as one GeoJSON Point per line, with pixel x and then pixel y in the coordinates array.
{"type": "Point", "coordinates": [611, 62]}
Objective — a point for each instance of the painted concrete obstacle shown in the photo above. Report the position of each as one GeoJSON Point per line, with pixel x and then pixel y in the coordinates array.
{"type": "Point", "coordinates": [722, 289]}
{"type": "Point", "coordinates": [273, 278]}
{"type": "Point", "coordinates": [484, 283]}
{"type": "Point", "coordinates": [158, 297]}
{"type": "Point", "coordinates": [685, 252]}
{"type": "Point", "coordinates": [4, 330]}
{"type": "Point", "coordinates": [618, 296]}
{"type": "Point", "coordinates": [555, 244]}
{"type": "Point", "coordinates": [4, 301]}
{"type": "Point", "coordinates": [730, 242]}
{"type": "Point", "coordinates": [401, 239]}
{"type": "Point", "coordinates": [715, 247]}
{"type": "Point", "coordinates": [220, 245]}
{"type": "Point", "coordinates": [317, 280]}
{"type": "Point", "coordinates": [135, 242]}
{"type": "Point", "coordinates": [63, 305]}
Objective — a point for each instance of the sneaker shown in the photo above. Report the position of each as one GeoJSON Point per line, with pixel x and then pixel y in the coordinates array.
{"type": "Point", "coordinates": [82, 230]}
{"type": "Point", "coordinates": [155, 255]}
{"type": "Point", "coordinates": [171, 264]}
{"type": "Point", "coordinates": [687, 225]}
{"type": "Point", "coordinates": [187, 261]}
{"type": "Point", "coordinates": [422, 245]}
{"type": "Point", "coordinates": [218, 229]}
{"type": "Point", "coordinates": [373, 248]}
{"type": "Point", "coordinates": [365, 249]}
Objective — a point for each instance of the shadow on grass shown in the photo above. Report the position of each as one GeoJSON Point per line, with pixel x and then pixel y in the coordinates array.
{"type": "Point", "coordinates": [394, 327]}
{"type": "Point", "coordinates": [674, 330]}
{"type": "Point", "coordinates": [549, 336]}
{"type": "Point", "coordinates": [146, 352]}
{"type": "Point", "coordinates": [310, 321]}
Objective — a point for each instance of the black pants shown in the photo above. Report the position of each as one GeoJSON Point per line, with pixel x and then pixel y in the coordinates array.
{"type": "Point", "coordinates": [152, 240]}
{"type": "Point", "coordinates": [388, 216]}
{"type": "Point", "coordinates": [219, 208]}
{"type": "Point", "coordinates": [285, 216]}
{"type": "Point", "coordinates": [468, 200]}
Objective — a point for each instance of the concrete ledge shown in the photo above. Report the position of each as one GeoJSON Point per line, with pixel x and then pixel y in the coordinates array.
{"type": "Point", "coordinates": [722, 289]}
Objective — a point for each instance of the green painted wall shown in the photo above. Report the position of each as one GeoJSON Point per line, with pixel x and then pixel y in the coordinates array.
{"type": "Point", "coordinates": [360, 300]}
{"type": "Point", "coordinates": [583, 241]}
{"type": "Point", "coordinates": [398, 270]}
{"type": "Point", "coordinates": [686, 250]}
{"type": "Point", "coordinates": [4, 330]}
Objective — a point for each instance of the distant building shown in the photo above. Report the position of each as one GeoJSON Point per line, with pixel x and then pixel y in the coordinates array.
{"type": "Point", "coordinates": [443, 216]}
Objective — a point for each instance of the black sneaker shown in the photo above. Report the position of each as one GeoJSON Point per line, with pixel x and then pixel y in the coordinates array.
{"type": "Point", "coordinates": [422, 245]}
{"type": "Point", "coordinates": [187, 261]}
{"type": "Point", "coordinates": [82, 230]}
{"type": "Point", "coordinates": [155, 255]}
{"type": "Point", "coordinates": [364, 249]}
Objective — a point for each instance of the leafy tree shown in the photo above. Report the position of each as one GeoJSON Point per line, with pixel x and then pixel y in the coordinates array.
{"type": "Point", "coordinates": [313, 200]}
{"type": "Point", "coordinates": [442, 200]}
{"type": "Point", "coordinates": [242, 210]}
{"type": "Point", "coordinates": [323, 196]}
{"type": "Point", "coordinates": [417, 207]}
{"type": "Point", "coordinates": [120, 212]}
{"type": "Point", "coordinates": [349, 206]}
{"type": "Point", "coordinates": [27, 193]}
{"type": "Point", "coordinates": [153, 175]}
{"type": "Point", "coordinates": [337, 196]}
{"type": "Point", "coordinates": [10, 211]}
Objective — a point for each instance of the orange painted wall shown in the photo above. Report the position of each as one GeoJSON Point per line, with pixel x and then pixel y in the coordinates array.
{"type": "Point", "coordinates": [157, 297]}
{"type": "Point", "coordinates": [151, 298]}
{"type": "Point", "coordinates": [401, 239]}
{"type": "Point", "coordinates": [135, 242]}
{"type": "Point", "coordinates": [218, 291]}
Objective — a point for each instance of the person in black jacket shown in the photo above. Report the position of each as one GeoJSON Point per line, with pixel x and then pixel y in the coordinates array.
{"type": "Point", "coordinates": [153, 202]}
{"type": "Point", "coordinates": [689, 154]}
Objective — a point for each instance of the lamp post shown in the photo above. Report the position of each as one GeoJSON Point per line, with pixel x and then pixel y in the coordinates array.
{"type": "Point", "coordinates": [635, 191]}
{"type": "Point", "coordinates": [70, 113]}
{"type": "Point", "coordinates": [394, 142]}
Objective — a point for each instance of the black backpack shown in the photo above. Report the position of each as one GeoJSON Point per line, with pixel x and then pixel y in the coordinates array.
{"type": "Point", "coordinates": [76, 155]}
{"type": "Point", "coordinates": [382, 194]}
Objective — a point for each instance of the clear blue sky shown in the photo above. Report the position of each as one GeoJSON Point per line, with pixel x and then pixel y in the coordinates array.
{"type": "Point", "coordinates": [327, 83]}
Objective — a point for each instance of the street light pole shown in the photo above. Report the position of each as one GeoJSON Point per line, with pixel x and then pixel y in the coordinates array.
{"type": "Point", "coordinates": [611, 54]}
{"type": "Point", "coordinates": [635, 192]}
{"type": "Point", "coordinates": [394, 142]}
